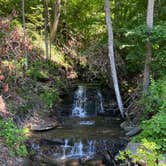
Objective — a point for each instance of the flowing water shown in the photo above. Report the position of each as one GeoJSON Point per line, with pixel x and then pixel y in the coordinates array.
{"type": "Point", "coordinates": [101, 107]}
{"type": "Point", "coordinates": [84, 132]}
{"type": "Point", "coordinates": [79, 107]}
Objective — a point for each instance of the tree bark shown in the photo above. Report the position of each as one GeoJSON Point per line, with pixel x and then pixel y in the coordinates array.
{"type": "Point", "coordinates": [46, 26]}
{"type": "Point", "coordinates": [149, 22]}
{"type": "Point", "coordinates": [24, 31]}
{"type": "Point", "coordinates": [112, 59]}
{"type": "Point", "coordinates": [56, 19]}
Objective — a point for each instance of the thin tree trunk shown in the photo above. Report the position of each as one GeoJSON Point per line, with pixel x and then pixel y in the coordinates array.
{"type": "Point", "coordinates": [50, 20]}
{"type": "Point", "coordinates": [24, 31]}
{"type": "Point", "coordinates": [46, 26]}
{"type": "Point", "coordinates": [149, 22]}
{"type": "Point", "coordinates": [112, 59]}
{"type": "Point", "coordinates": [56, 19]}
{"type": "Point", "coordinates": [50, 48]}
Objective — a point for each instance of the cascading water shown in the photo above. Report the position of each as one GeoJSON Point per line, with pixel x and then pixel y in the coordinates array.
{"type": "Point", "coordinates": [78, 150]}
{"type": "Point", "coordinates": [91, 146]}
{"type": "Point", "coordinates": [82, 103]}
{"type": "Point", "coordinates": [64, 148]}
{"type": "Point", "coordinates": [79, 103]}
{"type": "Point", "coordinates": [100, 107]}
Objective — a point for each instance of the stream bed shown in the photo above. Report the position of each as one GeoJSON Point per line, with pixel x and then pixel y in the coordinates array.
{"type": "Point", "coordinates": [89, 133]}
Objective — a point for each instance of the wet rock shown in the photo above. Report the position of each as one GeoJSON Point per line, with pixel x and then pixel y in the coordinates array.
{"type": "Point", "coordinates": [128, 128]}
{"type": "Point", "coordinates": [124, 124]}
{"type": "Point", "coordinates": [133, 131]}
{"type": "Point", "coordinates": [73, 162]}
{"type": "Point", "coordinates": [27, 162]}
{"type": "Point", "coordinates": [43, 127]}
{"type": "Point", "coordinates": [50, 160]}
{"type": "Point", "coordinates": [109, 159]}
{"type": "Point", "coordinates": [94, 162]}
{"type": "Point", "coordinates": [56, 141]}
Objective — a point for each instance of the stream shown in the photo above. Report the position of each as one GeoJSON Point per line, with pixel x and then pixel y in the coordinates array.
{"type": "Point", "coordinates": [90, 133]}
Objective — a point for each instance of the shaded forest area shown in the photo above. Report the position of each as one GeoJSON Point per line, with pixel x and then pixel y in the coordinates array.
{"type": "Point", "coordinates": [49, 46]}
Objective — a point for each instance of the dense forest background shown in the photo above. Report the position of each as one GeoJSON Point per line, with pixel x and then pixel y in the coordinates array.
{"type": "Point", "coordinates": [46, 46]}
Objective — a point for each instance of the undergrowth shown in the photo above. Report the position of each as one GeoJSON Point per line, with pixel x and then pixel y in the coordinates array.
{"type": "Point", "coordinates": [14, 137]}
{"type": "Point", "coordinates": [154, 122]}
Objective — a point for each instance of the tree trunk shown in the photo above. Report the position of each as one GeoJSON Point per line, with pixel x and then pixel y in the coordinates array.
{"type": "Point", "coordinates": [56, 19]}
{"type": "Point", "coordinates": [46, 26]}
{"type": "Point", "coordinates": [24, 31]}
{"type": "Point", "coordinates": [112, 59]}
{"type": "Point", "coordinates": [149, 22]}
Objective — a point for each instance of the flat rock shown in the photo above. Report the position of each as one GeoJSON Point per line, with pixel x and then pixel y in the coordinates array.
{"type": "Point", "coordinates": [133, 132]}
{"type": "Point", "coordinates": [128, 128]}
{"type": "Point", "coordinates": [56, 141]}
{"type": "Point", "coordinates": [132, 147]}
{"type": "Point", "coordinates": [43, 127]}
{"type": "Point", "coordinates": [124, 124]}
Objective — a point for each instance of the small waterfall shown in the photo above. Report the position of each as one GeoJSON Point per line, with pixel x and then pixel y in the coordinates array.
{"type": "Point", "coordinates": [64, 148]}
{"type": "Point", "coordinates": [66, 143]}
{"type": "Point", "coordinates": [78, 149]}
{"type": "Point", "coordinates": [91, 149]}
{"type": "Point", "coordinates": [101, 107]}
{"type": "Point", "coordinates": [79, 103]}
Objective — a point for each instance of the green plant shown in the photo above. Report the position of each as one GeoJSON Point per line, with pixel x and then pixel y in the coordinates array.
{"type": "Point", "coordinates": [155, 100]}
{"type": "Point", "coordinates": [154, 124]}
{"type": "Point", "coordinates": [134, 47]}
{"type": "Point", "coordinates": [49, 96]}
{"type": "Point", "coordinates": [14, 137]}
{"type": "Point", "coordinates": [146, 152]}
{"type": "Point", "coordinates": [154, 130]}
{"type": "Point", "coordinates": [37, 74]}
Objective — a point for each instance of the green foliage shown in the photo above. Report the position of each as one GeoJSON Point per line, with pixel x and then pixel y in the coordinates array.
{"type": "Point", "coordinates": [37, 74]}
{"type": "Point", "coordinates": [35, 16]}
{"type": "Point", "coordinates": [154, 104]}
{"type": "Point", "coordinates": [14, 137]}
{"type": "Point", "coordinates": [49, 96]}
{"type": "Point", "coordinates": [147, 152]}
{"type": "Point", "coordinates": [155, 100]}
{"type": "Point", "coordinates": [136, 40]}
{"type": "Point", "coordinates": [154, 130]}
{"type": "Point", "coordinates": [7, 6]}
{"type": "Point", "coordinates": [15, 23]}
{"type": "Point", "coordinates": [41, 70]}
